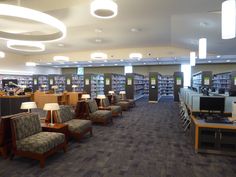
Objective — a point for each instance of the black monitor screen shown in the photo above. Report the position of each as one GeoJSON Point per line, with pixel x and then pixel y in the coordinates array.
{"type": "Point", "coordinates": [7, 82]}
{"type": "Point", "coordinates": [212, 104]}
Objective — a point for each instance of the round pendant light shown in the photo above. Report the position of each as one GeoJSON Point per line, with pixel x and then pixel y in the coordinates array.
{"type": "Point", "coordinates": [2, 54]}
{"type": "Point", "coordinates": [98, 56]}
{"type": "Point", "coordinates": [31, 16]}
{"type": "Point", "coordinates": [61, 58]}
{"type": "Point", "coordinates": [103, 9]}
{"type": "Point", "coordinates": [26, 46]}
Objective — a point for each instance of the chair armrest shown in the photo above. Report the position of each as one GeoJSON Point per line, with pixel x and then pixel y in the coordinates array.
{"type": "Point", "coordinates": [104, 108]}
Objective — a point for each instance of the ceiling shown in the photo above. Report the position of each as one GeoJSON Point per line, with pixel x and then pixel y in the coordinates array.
{"type": "Point", "coordinates": [139, 24]}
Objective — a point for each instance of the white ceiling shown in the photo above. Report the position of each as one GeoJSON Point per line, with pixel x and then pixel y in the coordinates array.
{"type": "Point", "coordinates": [175, 23]}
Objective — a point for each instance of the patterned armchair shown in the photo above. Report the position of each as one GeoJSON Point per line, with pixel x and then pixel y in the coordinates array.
{"type": "Point", "coordinates": [98, 116]}
{"type": "Point", "coordinates": [28, 140]}
{"type": "Point", "coordinates": [77, 127]}
{"type": "Point", "coordinates": [115, 109]}
{"type": "Point", "coordinates": [125, 105]}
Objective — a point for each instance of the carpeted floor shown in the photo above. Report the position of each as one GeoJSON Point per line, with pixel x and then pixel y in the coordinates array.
{"type": "Point", "coordinates": [147, 142]}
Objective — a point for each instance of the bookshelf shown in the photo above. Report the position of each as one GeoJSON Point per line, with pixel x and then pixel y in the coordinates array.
{"type": "Point", "coordinates": [21, 80]}
{"type": "Point", "coordinates": [166, 85]}
{"type": "Point", "coordinates": [226, 81]}
{"type": "Point", "coordinates": [94, 84]}
{"type": "Point", "coordinates": [134, 86]}
{"type": "Point", "coordinates": [115, 82]}
{"type": "Point", "coordinates": [202, 79]}
{"type": "Point", "coordinates": [38, 81]}
{"type": "Point", "coordinates": [74, 79]}
{"type": "Point", "coordinates": [58, 80]}
{"type": "Point", "coordinates": [146, 85]}
{"type": "Point", "coordinates": [178, 79]}
{"type": "Point", "coordinates": [154, 87]}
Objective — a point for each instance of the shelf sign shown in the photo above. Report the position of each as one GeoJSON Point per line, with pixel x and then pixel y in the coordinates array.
{"type": "Point", "coordinates": [129, 81]}
{"type": "Point", "coordinates": [206, 81]}
{"type": "Point", "coordinates": [35, 82]}
{"type": "Point", "coordinates": [107, 81]}
{"type": "Point", "coordinates": [68, 82]}
{"type": "Point", "coordinates": [178, 81]}
{"type": "Point", "coordinates": [234, 80]}
{"type": "Point", "coordinates": [86, 81]}
{"type": "Point", "coordinates": [153, 81]}
{"type": "Point", "coordinates": [51, 81]}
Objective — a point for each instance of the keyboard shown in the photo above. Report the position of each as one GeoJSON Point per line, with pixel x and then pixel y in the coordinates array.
{"type": "Point", "coordinates": [218, 120]}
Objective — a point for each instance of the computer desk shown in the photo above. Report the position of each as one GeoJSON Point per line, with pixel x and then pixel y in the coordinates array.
{"type": "Point", "coordinates": [217, 138]}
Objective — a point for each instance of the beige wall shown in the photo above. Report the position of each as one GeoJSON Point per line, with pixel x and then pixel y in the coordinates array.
{"type": "Point", "coordinates": [162, 69]}
{"type": "Point", "coordinates": [215, 68]}
{"type": "Point", "coordinates": [13, 63]}
{"type": "Point", "coordinates": [69, 71]}
{"type": "Point", "coordinates": [102, 70]}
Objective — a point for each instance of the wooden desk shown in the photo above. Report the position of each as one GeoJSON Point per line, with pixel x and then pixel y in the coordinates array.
{"type": "Point", "coordinates": [11, 104]}
{"type": "Point", "coordinates": [214, 137]}
{"type": "Point", "coordinates": [41, 99]}
{"type": "Point", "coordinates": [74, 97]}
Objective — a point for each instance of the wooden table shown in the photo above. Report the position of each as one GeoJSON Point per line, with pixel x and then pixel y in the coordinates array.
{"type": "Point", "coordinates": [60, 128]}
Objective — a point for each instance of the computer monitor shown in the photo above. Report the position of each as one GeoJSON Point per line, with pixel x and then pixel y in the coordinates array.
{"type": "Point", "coordinates": [221, 91]}
{"type": "Point", "coordinates": [7, 82]}
{"type": "Point", "coordinates": [232, 93]}
{"type": "Point", "coordinates": [212, 104]}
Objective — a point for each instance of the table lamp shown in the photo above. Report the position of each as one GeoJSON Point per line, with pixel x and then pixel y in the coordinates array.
{"type": "Point", "coordinates": [23, 87]}
{"type": "Point", "coordinates": [28, 105]}
{"type": "Point", "coordinates": [44, 87]}
{"type": "Point", "coordinates": [74, 86]}
{"type": "Point", "coordinates": [101, 97]}
{"type": "Point", "coordinates": [51, 107]}
{"type": "Point", "coordinates": [54, 87]}
{"type": "Point", "coordinates": [122, 93]}
{"type": "Point", "coordinates": [85, 96]}
{"type": "Point", "coordinates": [111, 92]}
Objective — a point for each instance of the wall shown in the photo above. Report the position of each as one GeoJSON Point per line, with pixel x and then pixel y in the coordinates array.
{"type": "Point", "coordinates": [215, 68]}
{"type": "Point", "coordinates": [15, 64]}
{"type": "Point", "coordinates": [69, 71]}
{"type": "Point", "coordinates": [102, 70]}
{"type": "Point", "coordinates": [162, 69]}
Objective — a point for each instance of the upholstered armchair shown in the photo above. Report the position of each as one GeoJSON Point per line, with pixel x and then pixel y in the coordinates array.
{"type": "Point", "coordinates": [125, 105]}
{"type": "Point", "coordinates": [115, 109]}
{"type": "Point", "coordinates": [77, 127]}
{"type": "Point", "coordinates": [28, 140]}
{"type": "Point", "coordinates": [96, 115]}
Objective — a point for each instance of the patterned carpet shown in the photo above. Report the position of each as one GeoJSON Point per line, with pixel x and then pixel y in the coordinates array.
{"type": "Point", "coordinates": [147, 142]}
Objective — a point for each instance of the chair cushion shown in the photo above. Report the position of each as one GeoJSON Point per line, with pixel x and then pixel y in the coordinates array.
{"type": "Point", "coordinates": [78, 125]}
{"type": "Point", "coordinates": [101, 114]}
{"type": "Point", "coordinates": [106, 102]}
{"type": "Point", "coordinates": [115, 109]}
{"type": "Point", "coordinates": [92, 106]}
{"type": "Point", "coordinates": [41, 142]}
{"type": "Point", "coordinates": [64, 114]}
{"type": "Point", "coordinates": [26, 125]}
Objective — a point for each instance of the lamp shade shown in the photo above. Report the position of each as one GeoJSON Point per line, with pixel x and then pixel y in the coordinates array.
{"type": "Point", "coordinates": [74, 86]}
{"type": "Point", "coordinates": [101, 96]}
{"type": "Point", "coordinates": [23, 86]}
{"type": "Point", "coordinates": [43, 86]}
{"type": "Point", "coordinates": [54, 87]}
{"type": "Point", "coordinates": [28, 105]}
{"type": "Point", "coordinates": [111, 92]}
{"type": "Point", "coordinates": [85, 96]}
{"type": "Point", "coordinates": [122, 92]}
{"type": "Point", "coordinates": [51, 107]}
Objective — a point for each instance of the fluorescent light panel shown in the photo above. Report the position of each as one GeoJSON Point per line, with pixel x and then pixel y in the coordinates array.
{"type": "Point", "coordinates": [202, 48]}
{"type": "Point", "coordinates": [192, 58]}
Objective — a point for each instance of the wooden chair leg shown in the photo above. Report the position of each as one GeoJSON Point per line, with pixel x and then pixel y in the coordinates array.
{"type": "Point", "coordinates": [91, 132]}
{"type": "Point", "coordinates": [42, 162]}
{"type": "Point", "coordinates": [65, 149]}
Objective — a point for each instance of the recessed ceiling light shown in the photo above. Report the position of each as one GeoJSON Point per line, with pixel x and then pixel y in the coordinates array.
{"type": "Point", "coordinates": [75, 62]}
{"type": "Point", "coordinates": [135, 56]}
{"type": "Point", "coordinates": [102, 65]}
{"type": "Point", "coordinates": [103, 9]}
{"type": "Point", "coordinates": [135, 30]}
{"type": "Point", "coordinates": [121, 60]}
{"type": "Point", "coordinates": [98, 40]}
{"type": "Point", "coordinates": [105, 61]}
{"type": "Point", "coordinates": [115, 64]}
{"type": "Point", "coordinates": [30, 64]}
{"type": "Point", "coordinates": [227, 60]}
{"type": "Point", "coordinates": [2, 54]}
{"type": "Point", "coordinates": [218, 56]}
{"type": "Point", "coordinates": [144, 63]}
{"type": "Point", "coordinates": [61, 58]}
{"type": "Point", "coordinates": [60, 45]}
{"type": "Point", "coordinates": [90, 61]}
{"type": "Point", "coordinates": [90, 65]}
{"type": "Point", "coordinates": [49, 63]}
{"type": "Point", "coordinates": [209, 61]}
{"type": "Point", "coordinates": [98, 56]}
{"type": "Point", "coordinates": [157, 58]}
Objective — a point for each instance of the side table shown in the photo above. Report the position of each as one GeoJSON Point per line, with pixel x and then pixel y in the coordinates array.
{"type": "Point", "coordinates": [60, 128]}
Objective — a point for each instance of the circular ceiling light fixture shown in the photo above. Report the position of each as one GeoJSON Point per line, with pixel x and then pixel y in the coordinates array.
{"type": "Point", "coordinates": [26, 46]}
{"type": "Point", "coordinates": [31, 16]}
{"type": "Point", "coordinates": [137, 56]}
{"type": "Point", "coordinates": [61, 58]}
{"type": "Point", "coordinates": [103, 9]}
{"type": "Point", "coordinates": [98, 56]}
{"type": "Point", "coordinates": [2, 54]}
{"type": "Point", "coordinates": [30, 64]}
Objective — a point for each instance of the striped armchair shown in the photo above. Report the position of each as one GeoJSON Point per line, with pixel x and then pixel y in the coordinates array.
{"type": "Point", "coordinates": [115, 109]}
{"type": "Point", "coordinates": [29, 141]}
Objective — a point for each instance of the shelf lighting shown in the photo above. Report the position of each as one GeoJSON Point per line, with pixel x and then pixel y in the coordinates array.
{"type": "Point", "coordinates": [192, 58]}
{"type": "Point", "coordinates": [35, 16]}
{"type": "Point", "coordinates": [202, 48]}
{"type": "Point", "coordinates": [228, 19]}
{"type": "Point", "coordinates": [26, 46]}
{"type": "Point", "coordinates": [61, 58]}
{"type": "Point", "coordinates": [103, 9]}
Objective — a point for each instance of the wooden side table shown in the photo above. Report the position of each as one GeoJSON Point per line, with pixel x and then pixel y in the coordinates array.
{"type": "Point", "coordinates": [60, 128]}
